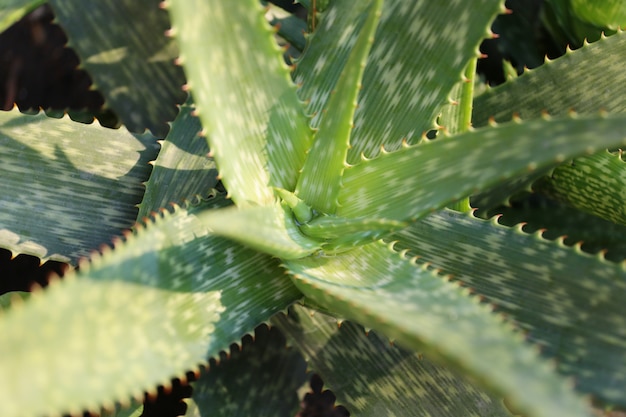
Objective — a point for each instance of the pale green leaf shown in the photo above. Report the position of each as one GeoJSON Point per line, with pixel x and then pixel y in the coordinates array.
{"type": "Point", "coordinates": [410, 182]}
{"type": "Point", "coordinates": [269, 229]}
{"type": "Point", "coordinates": [556, 294]}
{"type": "Point", "coordinates": [68, 187]}
{"type": "Point", "coordinates": [319, 181]}
{"type": "Point", "coordinates": [123, 46]}
{"type": "Point", "coordinates": [422, 311]}
{"type": "Point", "coordinates": [13, 10]}
{"type": "Point", "coordinates": [259, 378]}
{"type": "Point", "coordinates": [245, 98]}
{"type": "Point", "coordinates": [170, 295]}
{"type": "Point", "coordinates": [183, 168]}
{"type": "Point", "coordinates": [586, 80]}
{"type": "Point", "coordinates": [9, 298]}
{"type": "Point", "coordinates": [372, 377]}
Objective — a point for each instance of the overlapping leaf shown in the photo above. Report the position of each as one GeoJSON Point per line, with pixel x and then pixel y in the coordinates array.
{"type": "Point", "coordinates": [409, 72]}
{"type": "Point", "coordinates": [260, 378]}
{"type": "Point", "coordinates": [410, 182]}
{"type": "Point", "coordinates": [571, 304]}
{"type": "Point", "coordinates": [183, 168]}
{"type": "Point", "coordinates": [246, 101]}
{"type": "Point", "coordinates": [68, 187]}
{"type": "Point", "coordinates": [123, 46]}
{"type": "Point", "coordinates": [170, 295]}
{"type": "Point", "coordinates": [371, 377]}
{"type": "Point", "coordinates": [586, 80]}
{"type": "Point", "coordinates": [382, 290]}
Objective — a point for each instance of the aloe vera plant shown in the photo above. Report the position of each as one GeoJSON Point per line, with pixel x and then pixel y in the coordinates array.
{"type": "Point", "coordinates": [335, 204]}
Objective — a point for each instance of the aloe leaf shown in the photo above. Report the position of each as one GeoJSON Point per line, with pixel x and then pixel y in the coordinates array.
{"type": "Point", "coordinates": [555, 220]}
{"type": "Point", "coordinates": [131, 62]}
{"type": "Point", "coordinates": [554, 293]}
{"type": "Point", "coordinates": [13, 10]}
{"type": "Point", "coordinates": [258, 133]}
{"type": "Point", "coordinates": [10, 298]}
{"type": "Point", "coordinates": [270, 229]}
{"type": "Point", "coordinates": [421, 311]}
{"type": "Point", "coordinates": [605, 13]}
{"type": "Point", "coordinates": [135, 307]}
{"type": "Point", "coordinates": [595, 184]}
{"type": "Point", "coordinates": [368, 374]}
{"type": "Point", "coordinates": [183, 168]}
{"type": "Point", "coordinates": [586, 80]}
{"type": "Point", "coordinates": [291, 28]}
{"type": "Point", "coordinates": [259, 378]}
{"type": "Point", "coordinates": [320, 178]}
{"type": "Point", "coordinates": [66, 186]}
{"type": "Point", "coordinates": [409, 72]}
{"type": "Point", "coordinates": [415, 180]}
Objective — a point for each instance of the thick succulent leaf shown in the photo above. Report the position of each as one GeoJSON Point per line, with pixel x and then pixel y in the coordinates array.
{"type": "Point", "coordinates": [422, 311]}
{"type": "Point", "coordinates": [131, 62]}
{"type": "Point", "coordinates": [557, 220]}
{"type": "Point", "coordinates": [171, 294]}
{"type": "Point", "coordinates": [246, 100]}
{"type": "Point", "coordinates": [586, 80]}
{"type": "Point", "coordinates": [320, 178]}
{"type": "Point", "coordinates": [13, 10]}
{"type": "Point", "coordinates": [372, 377]}
{"type": "Point", "coordinates": [409, 72]}
{"type": "Point", "coordinates": [291, 28]}
{"type": "Point", "coordinates": [260, 378]}
{"type": "Point", "coordinates": [67, 187]}
{"type": "Point", "coordinates": [410, 182]}
{"type": "Point", "coordinates": [10, 298]}
{"type": "Point", "coordinates": [605, 13]}
{"type": "Point", "coordinates": [555, 293]}
{"type": "Point", "coordinates": [183, 168]}
{"type": "Point", "coordinates": [595, 184]}
{"type": "Point", "coordinates": [269, 229]}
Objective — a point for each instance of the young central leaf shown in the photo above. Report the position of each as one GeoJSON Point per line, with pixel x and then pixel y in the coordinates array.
{"type": "Point", "coordinates": [319, 182]}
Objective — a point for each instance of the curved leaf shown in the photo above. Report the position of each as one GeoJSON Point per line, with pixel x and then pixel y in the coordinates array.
{"type": "Point", "coordinates": [572, 304]}
{"type": "Point", "coordinates": [246, 101]}
{"type": "Point", "coordinates": [586, 80]}
{"type": "Point", "coordinates": [131, 62]}
{"type": "Point", "coordinates": [410, 182]}
{"type": "Point", "coordinates": [68, 187]}
{"type": "Point", "coordinates": [183, 168]}
{"type": "Point", "coordinates": [380, 289]}
{"type": "Point", "coordinates": [171, 294]}
{"type": "Point", "coordinates": [13, 10]}
{"type": "Point", "coordinates": [372, 377]}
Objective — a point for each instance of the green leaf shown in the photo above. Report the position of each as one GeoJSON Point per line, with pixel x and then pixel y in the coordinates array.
{"type": "Point", "coordinates": [409, 72]}
{"type": "Point", "coordinates": [556, 220]}
{"type": "Point", "coordinates": [373, 377]}
{"type": "Point", "coordinates": [586, 80]}
{"type": "Point", "coordinates": [269, 229]}
{"type": "Point", "coordinates": [10, 298]}
{"type": "Point", "coordinates": [595, 184]}
{"type": "Point", "coordinates": [67, 187]}
{"type": "Point", "coordinates": [602, 13]}
{"type": "Point", "coordinates": [183, 168]}
{"type": "Point", "coordinates": [380, 289]}
{"type": "Point", "coordinates": [290, 27]}
{"type": "Point", "coordinates": [170, 295]}
{"type": "Point", "coordinates": [245, 98]}
{"type": "Point", "coordinates": [13, 10]}
{"type": "Point", "coordinates": [259, 378]}
{"type": "Point", "coordinates": [555, 293]}
{"type": "Point", "coordinates": [415, 180]}
{"type": "Point", "coordinates": [320, 178]}
{"type": "Point", "coordinates": [131, 62]}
